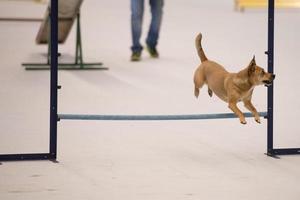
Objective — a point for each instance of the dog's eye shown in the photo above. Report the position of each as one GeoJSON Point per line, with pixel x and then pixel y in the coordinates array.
{"type": "Point", "coordinates": [262, 72]}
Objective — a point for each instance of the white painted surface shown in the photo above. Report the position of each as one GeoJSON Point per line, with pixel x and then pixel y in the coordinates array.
{"type": "Point", "coordinates": [215, 159]}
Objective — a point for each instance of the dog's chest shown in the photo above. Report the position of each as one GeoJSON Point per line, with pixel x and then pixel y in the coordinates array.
{"type": "Point", "coordinates": [246, 94]}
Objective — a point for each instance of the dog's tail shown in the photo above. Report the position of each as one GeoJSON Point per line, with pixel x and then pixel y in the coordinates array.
{"type": "Point", "coordinates": [199, 48]}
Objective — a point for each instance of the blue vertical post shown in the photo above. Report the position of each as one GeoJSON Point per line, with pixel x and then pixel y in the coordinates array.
{"type": "Point", "coordinates": [271, 70]}
{"type": "Point", "coordinates": [53, 77]}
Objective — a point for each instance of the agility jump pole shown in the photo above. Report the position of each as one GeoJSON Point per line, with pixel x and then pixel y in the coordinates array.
{"type": "Point", "coordinates": [51, 155]}
{"type": "Point", "coordinates": [152, 117]}
{"type": "Point", "coordinates": [269, 114]}
{"type": "Point", "coordinates": [53, 77]}
{"type": "Point", "coordinates": [270, 119]}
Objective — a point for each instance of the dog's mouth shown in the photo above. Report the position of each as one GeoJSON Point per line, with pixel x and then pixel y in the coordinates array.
{"type": "Point", "coordinates": [268, 83]}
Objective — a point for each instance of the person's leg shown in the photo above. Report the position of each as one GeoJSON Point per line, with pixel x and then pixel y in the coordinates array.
{"type": "Point", "coordinates": [137, 10]}
{"type": "Point", "coordinates": [156, 11]}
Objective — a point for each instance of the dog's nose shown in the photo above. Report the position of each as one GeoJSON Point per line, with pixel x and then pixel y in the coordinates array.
{"type": "Point", "coordinates": [273, 76]}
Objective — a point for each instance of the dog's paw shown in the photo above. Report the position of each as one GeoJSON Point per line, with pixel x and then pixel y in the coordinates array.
{"type": "Point", "coordinates": [243, 122]}
{"type": "Point", "coordinates": [196, 92]}
{"type": "Point", "coordinates": [257, 119]}
{"type": "Point", "coordinates": [210, 93]}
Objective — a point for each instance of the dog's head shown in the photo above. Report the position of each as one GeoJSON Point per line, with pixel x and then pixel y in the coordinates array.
{"type": "Point", "coordinates": [258, 76]}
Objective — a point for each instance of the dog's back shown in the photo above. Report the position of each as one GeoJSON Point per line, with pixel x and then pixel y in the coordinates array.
{"type": "Point", "coordinates": [208, 72]}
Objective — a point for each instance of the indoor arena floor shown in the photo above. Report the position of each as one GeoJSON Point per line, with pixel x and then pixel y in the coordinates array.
{"type": "Point", "coordinates": [148, 160]}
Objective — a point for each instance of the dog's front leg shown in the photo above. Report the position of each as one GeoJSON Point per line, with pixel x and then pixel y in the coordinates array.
{"type": "Point", "coordinates": [232, 105]}
{"type": "Point", "coordinates": [250, 107]}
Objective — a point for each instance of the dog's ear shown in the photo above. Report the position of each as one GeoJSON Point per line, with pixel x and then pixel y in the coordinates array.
{"type": "Point", "coordinates": [251, 66]}
{"type": "Point", "coordinates": [253, 60]}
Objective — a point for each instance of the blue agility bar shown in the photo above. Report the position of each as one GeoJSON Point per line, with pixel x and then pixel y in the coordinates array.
{"type": "Point", "coordinates": [152, 117]}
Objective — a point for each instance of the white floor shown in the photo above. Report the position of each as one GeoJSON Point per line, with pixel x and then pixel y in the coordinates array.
{"type": "Point", "coordinates": [210, 159]}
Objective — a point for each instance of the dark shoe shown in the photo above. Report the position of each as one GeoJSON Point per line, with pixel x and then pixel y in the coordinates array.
{"type": "Point", "coordinates": [135, 56]}
{"type": "Point", "coordinates": [153, 52]}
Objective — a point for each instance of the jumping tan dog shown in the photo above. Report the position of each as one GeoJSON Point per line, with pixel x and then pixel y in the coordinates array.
{"type": "Point", "coordinates": [230, 87]}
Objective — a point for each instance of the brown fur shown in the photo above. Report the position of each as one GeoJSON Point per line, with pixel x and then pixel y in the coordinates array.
{"type": "Point", "coordinates": [230, 87]}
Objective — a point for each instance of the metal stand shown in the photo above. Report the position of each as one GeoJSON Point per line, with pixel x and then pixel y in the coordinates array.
{"type": "Point", "coordinates": [51, 155]}
{"type": "Point", "coordinates": [270, 148]}
{"type": "Point", "coordinates": [78, 64]}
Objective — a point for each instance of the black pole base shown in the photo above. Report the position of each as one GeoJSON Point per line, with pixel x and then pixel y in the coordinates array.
{"type": "Point", "coordinates": [272, 155]}
{"type": "Point", "coordinates": [27, 157]}
{"type": "Point", "coordinates": [287, 151]}
{"type": "Point", "coordinates": [283, 151]}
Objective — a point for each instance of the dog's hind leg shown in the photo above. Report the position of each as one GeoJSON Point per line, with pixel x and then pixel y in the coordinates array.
{"type": "Point", "coordinates": [199, 81]}
{"type": "Point", "coordinates": [196, 92]}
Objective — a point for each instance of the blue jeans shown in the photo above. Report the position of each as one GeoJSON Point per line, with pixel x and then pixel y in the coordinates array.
{"type": "Point", "coordinates": [137, 11]}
